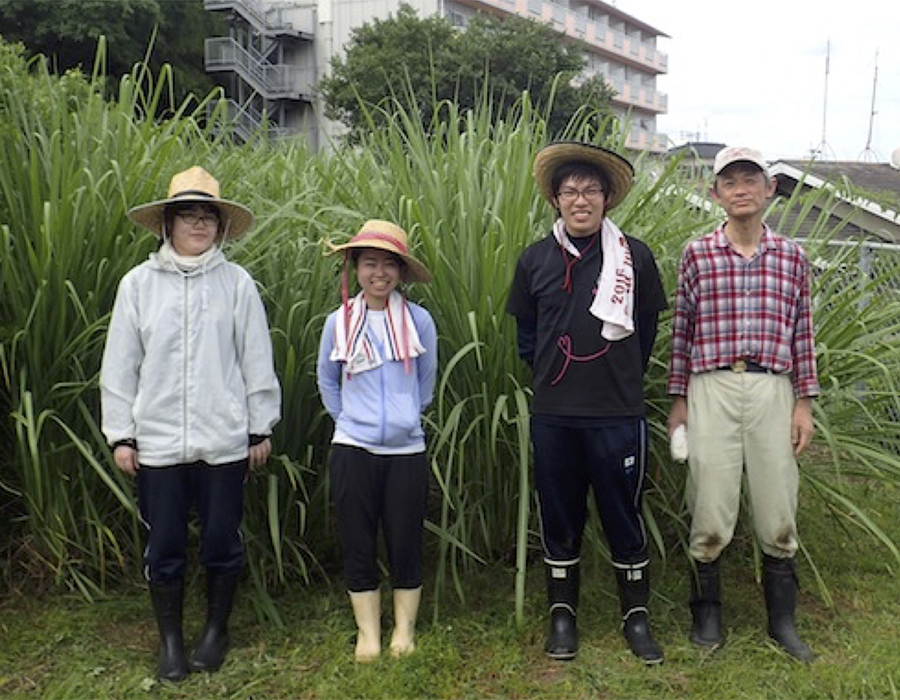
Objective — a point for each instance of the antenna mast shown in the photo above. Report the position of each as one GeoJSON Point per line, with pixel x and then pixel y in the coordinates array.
{"type": "Point", "coordinates": [868, 154]}
{"type": "Point", "coordinates": [819, 151]}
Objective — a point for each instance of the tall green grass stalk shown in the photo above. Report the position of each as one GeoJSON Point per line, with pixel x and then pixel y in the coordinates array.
{"type": "Point", "coordinates": [71, 164]}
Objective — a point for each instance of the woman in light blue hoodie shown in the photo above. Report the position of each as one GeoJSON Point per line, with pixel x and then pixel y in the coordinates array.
{"type": "Point", "coordinates": [376, 374]}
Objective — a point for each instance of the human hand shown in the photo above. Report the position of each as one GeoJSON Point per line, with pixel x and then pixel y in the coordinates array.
{"type": "Point", "coordinates": [259, 453]}
{"type": "Point", "coordinates": [678, 414]}
{"type": "Point", "coordinates": [126, 458]}
{"type": "Point", "coordinates": [802, 427]}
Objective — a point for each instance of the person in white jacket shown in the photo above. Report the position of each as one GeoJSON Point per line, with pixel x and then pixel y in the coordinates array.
{"type": "Point", "coordinates": [376, 374]}
{"type": "Point", "coordinates": [189, 398]}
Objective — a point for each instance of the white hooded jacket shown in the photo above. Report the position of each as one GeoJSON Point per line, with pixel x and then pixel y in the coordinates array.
{"type": "Point", "coordinates": [188, 370]}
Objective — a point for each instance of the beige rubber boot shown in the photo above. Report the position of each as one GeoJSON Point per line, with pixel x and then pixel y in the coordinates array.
{"type": "Point", "coordinates": [406, 608]}
{"type": "Point", "coordinates": [367, 611]}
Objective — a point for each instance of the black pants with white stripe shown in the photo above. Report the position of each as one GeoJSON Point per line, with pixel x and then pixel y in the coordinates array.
{"type": "Point", "coordinates": [608, 456]}
{"type": "Point", "coordinates": [166, 496]}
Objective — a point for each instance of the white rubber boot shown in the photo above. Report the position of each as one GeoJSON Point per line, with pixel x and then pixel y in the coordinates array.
{"type": "Point", "coordinates": [406, 608]}
{"type": "Point", "coordinates": [367, 611]}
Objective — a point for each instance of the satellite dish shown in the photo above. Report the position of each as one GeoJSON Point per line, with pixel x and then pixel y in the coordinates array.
{"type": "Point", "coordinates": [895, 158]}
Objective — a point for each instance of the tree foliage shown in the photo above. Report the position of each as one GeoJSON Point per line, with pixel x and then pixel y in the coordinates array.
{"type": "Point", "coordinates": [67, 32]}
{"type": "Point", "coordinates": [437, 63]}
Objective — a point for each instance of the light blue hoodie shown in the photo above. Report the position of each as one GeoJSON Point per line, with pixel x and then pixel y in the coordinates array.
{"type": "Point", "coordinates": [380, 409]}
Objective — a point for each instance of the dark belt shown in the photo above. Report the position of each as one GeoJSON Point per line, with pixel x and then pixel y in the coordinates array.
{"type": "Point", "coordinates": [746, 366]}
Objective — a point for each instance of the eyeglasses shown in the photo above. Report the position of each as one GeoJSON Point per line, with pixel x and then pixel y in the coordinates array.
{"type": "Point", "coordinates": [570, 194]}
{"type": "Point", "coordinates": [192, 218]}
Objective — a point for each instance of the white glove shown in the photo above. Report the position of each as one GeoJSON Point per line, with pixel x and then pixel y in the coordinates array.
{"type": "Point", "coordinates": [678, 444]}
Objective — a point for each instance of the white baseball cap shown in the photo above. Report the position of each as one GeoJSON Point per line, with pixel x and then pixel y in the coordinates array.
{"type": "Point", "coordinates": [737, 154]}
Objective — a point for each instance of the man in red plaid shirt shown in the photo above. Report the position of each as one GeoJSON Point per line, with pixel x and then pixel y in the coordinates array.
{"type": "Point", "coordinates": [742, 377]}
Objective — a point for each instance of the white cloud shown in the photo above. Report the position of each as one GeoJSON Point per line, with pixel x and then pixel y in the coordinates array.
{"type": "Point", "coordinates": [756, 74]}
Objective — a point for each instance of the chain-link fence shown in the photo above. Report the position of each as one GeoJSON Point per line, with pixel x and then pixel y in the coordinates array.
{"type": "Point", "coordinates": [870, 263]}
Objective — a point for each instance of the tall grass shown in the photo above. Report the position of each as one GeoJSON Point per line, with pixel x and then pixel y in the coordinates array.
{"type": "Point", "coordinates": [70, 166]}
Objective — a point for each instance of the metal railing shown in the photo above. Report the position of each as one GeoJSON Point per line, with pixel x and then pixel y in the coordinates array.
{"type": "Point", "coordinates": [251, 9]}
{"type": "Point", "coordinates": [270, 80]}
{"type": "Point", "coordinates": [262, 16]}
{"type": "Point", "coordinates": [245, 121]}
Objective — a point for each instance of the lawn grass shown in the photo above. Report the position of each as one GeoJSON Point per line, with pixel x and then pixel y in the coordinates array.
{"type": "Point", "coordinates": [64, 647]}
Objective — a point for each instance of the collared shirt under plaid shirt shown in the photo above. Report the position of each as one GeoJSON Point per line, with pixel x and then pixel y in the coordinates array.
{"type": "Point", "coordinates": [729, 308]}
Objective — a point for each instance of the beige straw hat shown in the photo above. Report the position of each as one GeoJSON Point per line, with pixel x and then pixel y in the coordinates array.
{"type": "Point", "coordinates": [617, 169]}
{"type": "Point", "coordinates": [194, 185]}
{"type": "Point", "coordinates": [384, 235]}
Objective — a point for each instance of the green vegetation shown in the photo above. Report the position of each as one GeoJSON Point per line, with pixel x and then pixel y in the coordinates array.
{"type": "Point", "coordinates": [66, 648]}
{"type": "Point", "coordinates": [71, 163]}
{"type": "Point", "coordinates": [68, 32]}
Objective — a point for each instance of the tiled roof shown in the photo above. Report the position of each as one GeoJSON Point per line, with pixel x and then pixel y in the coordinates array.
{"type": "Point", "coordinates": [874, 177]}
{"type": "Point", "coordinates": [874, 199]}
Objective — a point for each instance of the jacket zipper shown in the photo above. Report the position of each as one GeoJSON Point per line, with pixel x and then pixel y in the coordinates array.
{"type": "Point", "coordinates": [184, 375]}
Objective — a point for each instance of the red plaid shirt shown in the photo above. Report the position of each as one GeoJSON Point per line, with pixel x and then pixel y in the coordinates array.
{"type": "Point", "coordinates": [729, 308]}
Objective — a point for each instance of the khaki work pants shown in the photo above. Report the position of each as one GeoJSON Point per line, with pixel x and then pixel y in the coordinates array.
{"type": "Point", "coordinates": [739, 430]}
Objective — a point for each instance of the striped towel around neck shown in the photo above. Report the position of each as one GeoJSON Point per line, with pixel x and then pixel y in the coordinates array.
{"type": "Point", "coordinates": [354, 344]}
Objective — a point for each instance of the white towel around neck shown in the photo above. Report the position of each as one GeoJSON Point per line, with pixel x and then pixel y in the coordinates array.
{"type": "Point", "coordinates": [613, 303]}
{"type": "Point", "coordinates": [354, 346]}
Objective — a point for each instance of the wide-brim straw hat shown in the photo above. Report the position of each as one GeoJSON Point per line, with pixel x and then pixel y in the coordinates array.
{"type": "Point", "coordinates": [383, 235]}
{"type": "Point", "coordinates": [190, 186]}
{"type": "Point", "coordinates": [618, 170]}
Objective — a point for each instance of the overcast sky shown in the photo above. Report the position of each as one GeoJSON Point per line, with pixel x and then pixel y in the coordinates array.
{"type": "Point", "coordinates": [754, 73]}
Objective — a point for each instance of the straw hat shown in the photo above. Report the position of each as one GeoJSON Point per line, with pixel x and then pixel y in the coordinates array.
{"type": "Point", "coordinates": [384, 235]}
{"type": "Point", "coordinates": [194, 185]}
{"type": "Point", "coordinates": [617, 169]}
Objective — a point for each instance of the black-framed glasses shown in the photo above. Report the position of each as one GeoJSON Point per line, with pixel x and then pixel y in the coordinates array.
{"type": "Point", "coordinates": [570, 194]}
{"type": "Point", "coordinates": [192, 218]}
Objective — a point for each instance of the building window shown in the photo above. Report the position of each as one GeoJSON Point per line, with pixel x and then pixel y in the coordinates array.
{"type": "Point", "coordinates": [559, 14]}
{"type": "Point", "coordinates": [580, 24]}
{"type": "Point", "coordinates": [456, 19]}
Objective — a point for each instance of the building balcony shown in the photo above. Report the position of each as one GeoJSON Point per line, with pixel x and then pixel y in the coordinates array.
{"type": "Point", "coordinates": [576, 24]}
{"type": "Point", "coordinates": [644, 140]}
{"type": "Point", "coordinates": [631, 94]}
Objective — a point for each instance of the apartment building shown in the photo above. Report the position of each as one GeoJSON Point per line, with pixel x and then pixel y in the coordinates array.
{"type": "Point", "coordinates": [277, 50]}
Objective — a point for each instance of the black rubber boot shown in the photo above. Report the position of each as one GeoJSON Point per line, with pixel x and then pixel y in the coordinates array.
{"type": "Point", "coordinates": [634, 594]}
{"type": "Point", "coordinates": [562, 594]}
{"type": "Point", "coordinates": [168, 600]}
{"type": "Point", "coordinates": [209, 652]}
{"type": "Point", "coordinates": [706, 605]}
{"type": "Point", "coordinates": [780, 586]}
